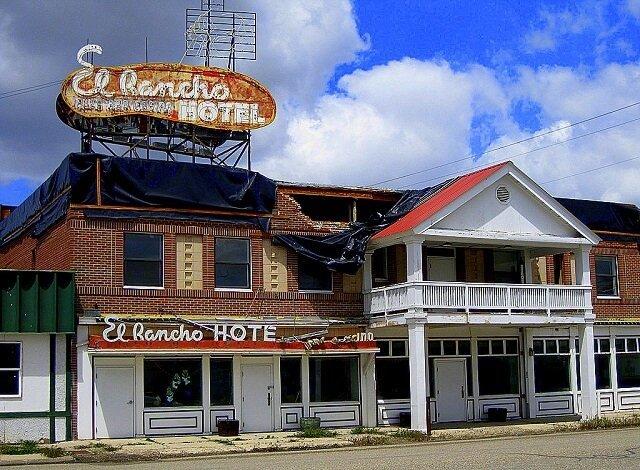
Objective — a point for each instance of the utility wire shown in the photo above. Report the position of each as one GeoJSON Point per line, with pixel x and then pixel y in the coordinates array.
{"type": "Point", "coordinates": [501, 147]}
{"type": "Point", "coordinates": [29, 89]}
{"type": "Point", "coordinates": [537, 149]}
{"type": "Point", "coordinates": [592, 170]}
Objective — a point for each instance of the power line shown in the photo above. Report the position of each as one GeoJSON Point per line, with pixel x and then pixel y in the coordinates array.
{"type": "Point", "coordinates": [537, 149]}
{"type": "Point", "coordinates": [29, 89]}
{"type": "Point", "coordinates": [592, 170]}
{"type": "Point", "coordinates": [495, 149]}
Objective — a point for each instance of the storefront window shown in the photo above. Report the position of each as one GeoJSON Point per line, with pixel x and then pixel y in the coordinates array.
{"type": "Point", "coordinates": [313, 276]}
{"type": "Point", "coordinates": [291, 379]}
{"type": "Point", "coordinates": [221, 379]}
{"type": "Point", "coordinates": [498, 367]}
{"type": "Point", "coordinates": [10, 361]}
{"type": "Point", "coordinates": [392, 370]}
{"type": "Point", "coordinates": [172, 382]}
{"type": "Point", "coordinates": [551, 365]}
{"type": "Point", "coordinates": [450, 347]}
{"type": "Point", "coordinates": [143, 260]}
{"type": "Point", "coordinates": [628, 362]}
{"type": "Point", "coordinates": [602, 349]}
{"type": "Point", "coordinates": [233, 263]}
{"type": "Point", "coordinates": [334, 379]}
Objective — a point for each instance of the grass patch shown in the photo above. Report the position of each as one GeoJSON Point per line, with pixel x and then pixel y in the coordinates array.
{"type": "Point", "coordinates": [609, 423]}
{"type": "Point", "coordinates": [53, 452]}
{"type": "Point", "coordinates": [225, 442]}
{"type": "Point", "coordinates": [316, 432]}
{"type": "Point", "coordinates": [104, 447]}
{"type": "Point", "coordinates": [363, 430]}
{"type": "Point", "coordinates": [410, 435]}
{"type": "Point", "coordinates": [371, 440]}
{"type": "Point", "coordinates": [22, 448]}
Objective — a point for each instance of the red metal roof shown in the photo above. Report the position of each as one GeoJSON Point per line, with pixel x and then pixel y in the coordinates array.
{"type": "Point", "coordinates": [438, 201]}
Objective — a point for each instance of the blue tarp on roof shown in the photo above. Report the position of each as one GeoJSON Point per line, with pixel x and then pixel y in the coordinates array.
{"type": "Point", "coordinates": [134, 182]}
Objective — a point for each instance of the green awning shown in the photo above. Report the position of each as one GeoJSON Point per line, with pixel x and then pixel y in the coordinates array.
{"type": "Point", "coordinates": [37, 302]}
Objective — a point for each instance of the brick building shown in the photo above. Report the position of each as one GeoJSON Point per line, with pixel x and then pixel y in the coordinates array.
{"type": "Point", "coordinates": [203, 294]}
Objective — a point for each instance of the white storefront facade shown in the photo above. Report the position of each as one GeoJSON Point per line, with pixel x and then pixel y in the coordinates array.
{"type": "Point", "coordinates": [477, 331]}
{"type": "Point", "coordinates": [131, 384]}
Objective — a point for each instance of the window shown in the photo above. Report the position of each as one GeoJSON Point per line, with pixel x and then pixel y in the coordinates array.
{"type": "Point", "coordinates": [143, 260]}
{"type": "Point", "coordinates": [506, 267]}
{"type": "Point", "coordinates": [551, 365]}
{"type": "Point", "coordinates": [628, 362]}
{"type": "Point", "coordinates": [498, 367]}
{"type": "Point", "coordinates": [221, 380]}
{"type": "Point", "coordinates": [233, 265]}
{"type": "Point", "coordinates": [392, 370]}
{"type": "Point", "coordinates": [313, 276]}
{"type": "Point", "coordinates": [380, 266]}
{"type": "Point", "coordinates": [334, 379]}
{"type": "Point", "coordinates": [450, 347]}
{"type": "Point", "coordinates": [607, 276]}
{"type": "Point", "coordinates": [602, 349]}
{"type": "Point", "coordinates": [172, 382]}
{"type": "Point", "coordinates": [10, 369]}
{"type": "Point", "coordinates": [291, 379]}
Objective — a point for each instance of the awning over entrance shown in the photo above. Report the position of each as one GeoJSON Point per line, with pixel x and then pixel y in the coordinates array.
{"type": "Point", "coordinates": [37, 302]}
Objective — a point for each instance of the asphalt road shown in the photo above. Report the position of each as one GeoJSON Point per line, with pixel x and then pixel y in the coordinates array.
{"type": "Point", "coordinates": [617, 449]}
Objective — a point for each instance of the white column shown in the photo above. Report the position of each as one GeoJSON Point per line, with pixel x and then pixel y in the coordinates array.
{"type": "Point", "coordinates": [529, 378]}
{"type": "Point", "coordinates": [306, 394]}
{"type": "Point", "coordinates": [85, 385]}
{"type": "Point", "coordinates": [206, 393]}
{"type": "Point", "coordinates": [276, 393]}
{"type": "Point", "coordinates": [367, 274]}
{"type": "Point", "coordinates": [590, 403]}
{"type": "Point", "coordinates": [583, 273]}
{"type": "Point", "coordinates": [573, 366]}
{"type": "Point", "coordinates": [414, 274]}
{"type": "Point", "coordinates": [367, 280]}
{"type": "Point", "coordinates": [417, 376]}
{"type": "Point", "coordinates": [414, 260]}
{"type": "Point", "coordinates": [368, 390]}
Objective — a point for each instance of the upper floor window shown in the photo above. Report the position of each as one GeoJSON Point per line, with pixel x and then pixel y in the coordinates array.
{"type": "Point", "coordinates": [143, 264]}
{"type": "Point", "coordinates": [313, 276]}
{"type": "Point", "coordinates": [10, 369]}
{"type": "Point", "coordinates": [233, 263]}
{"type": "Point", "coordinates": [607, 276]}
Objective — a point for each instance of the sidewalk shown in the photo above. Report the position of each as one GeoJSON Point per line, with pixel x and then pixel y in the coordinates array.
{"type": "Point", "coordinates": [119, 450]}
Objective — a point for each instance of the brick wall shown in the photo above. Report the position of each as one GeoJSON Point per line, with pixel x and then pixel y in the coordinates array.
{"type": "Point", "coordinates": [93, 248]}
{"type": "Point", "coordinates": [628, 305]}
{"type": "Point", "coordinates": [628, 255]}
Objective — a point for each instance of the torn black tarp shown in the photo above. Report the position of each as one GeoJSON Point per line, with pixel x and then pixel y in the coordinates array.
{"type": "Point", "coordinates": [134, 182]}
{"type": "Point", "coordinates": [608, 217]}
{"type": "Point", "coordinates": [344, 251]}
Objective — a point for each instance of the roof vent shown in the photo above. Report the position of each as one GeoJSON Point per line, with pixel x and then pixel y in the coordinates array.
{"type": "Point", "coordinates": [503, 195]}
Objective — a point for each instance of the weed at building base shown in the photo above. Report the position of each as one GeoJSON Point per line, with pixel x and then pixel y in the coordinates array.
{"type": "Point", "coordinates": [316, 433]}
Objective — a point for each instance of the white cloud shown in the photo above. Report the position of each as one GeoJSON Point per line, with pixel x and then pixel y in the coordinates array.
{"type": "Point", "coordinates": [555, 25]}
{"type": "Point", "coordinates": [385, 121]}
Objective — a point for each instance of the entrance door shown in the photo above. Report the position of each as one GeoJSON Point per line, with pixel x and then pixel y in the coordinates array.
{"type": "Point", "coordinates": [440, 268]}
{"type": "Point", "coordinates": [450, 383]}
{"type": "Point", "coordinates": [114, 392]}
{"type": "Point", "coordinates": [257, 397]}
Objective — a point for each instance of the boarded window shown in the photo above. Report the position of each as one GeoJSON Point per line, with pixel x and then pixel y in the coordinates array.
{"type": "Point", "coordinates": [352, 284]}
{"type": "Point", "coordinates": [274, 266]}
{"type": "Point", "coordinates": [189, 261]}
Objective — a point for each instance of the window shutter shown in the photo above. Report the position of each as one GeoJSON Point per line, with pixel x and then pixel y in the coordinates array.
{"type": "Point", "coordinates": [274, 267]}
{"type": "Point", "coordinates": [189, 261]}
{"type": "Point", "coordinates": [352, 284]}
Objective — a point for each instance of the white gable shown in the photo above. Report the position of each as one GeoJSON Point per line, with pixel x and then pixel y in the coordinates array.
{"type": "Point", "coordinates": [524, 214]}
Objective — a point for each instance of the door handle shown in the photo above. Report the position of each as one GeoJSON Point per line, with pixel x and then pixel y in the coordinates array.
{"type": "Point", "coordinates": [130, 402]}
{"type": "Point", "coordinates": [269, 399]}
{"type": "Point", "coordinates": [462, 392]}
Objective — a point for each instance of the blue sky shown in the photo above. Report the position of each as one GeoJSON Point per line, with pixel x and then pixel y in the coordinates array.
{"type": "Point", "coordinates": [371, 90]}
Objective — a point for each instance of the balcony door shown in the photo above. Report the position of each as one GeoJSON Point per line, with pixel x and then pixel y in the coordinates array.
{"type": "Point", "coordinates": [441, 265]}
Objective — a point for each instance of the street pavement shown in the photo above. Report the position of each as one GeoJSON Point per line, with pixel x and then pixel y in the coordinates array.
{"type": "Point", "coordinates": [611, 449]}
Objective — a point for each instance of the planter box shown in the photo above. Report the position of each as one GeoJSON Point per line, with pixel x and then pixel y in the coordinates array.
{"type": "Point", "coordinates": [497, 415]}
{"type": "Point", "coordinates": [228, 427]}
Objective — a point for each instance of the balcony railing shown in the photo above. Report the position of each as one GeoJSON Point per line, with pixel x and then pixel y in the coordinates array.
{"type": "Point", "coordinates": [474, 297]}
